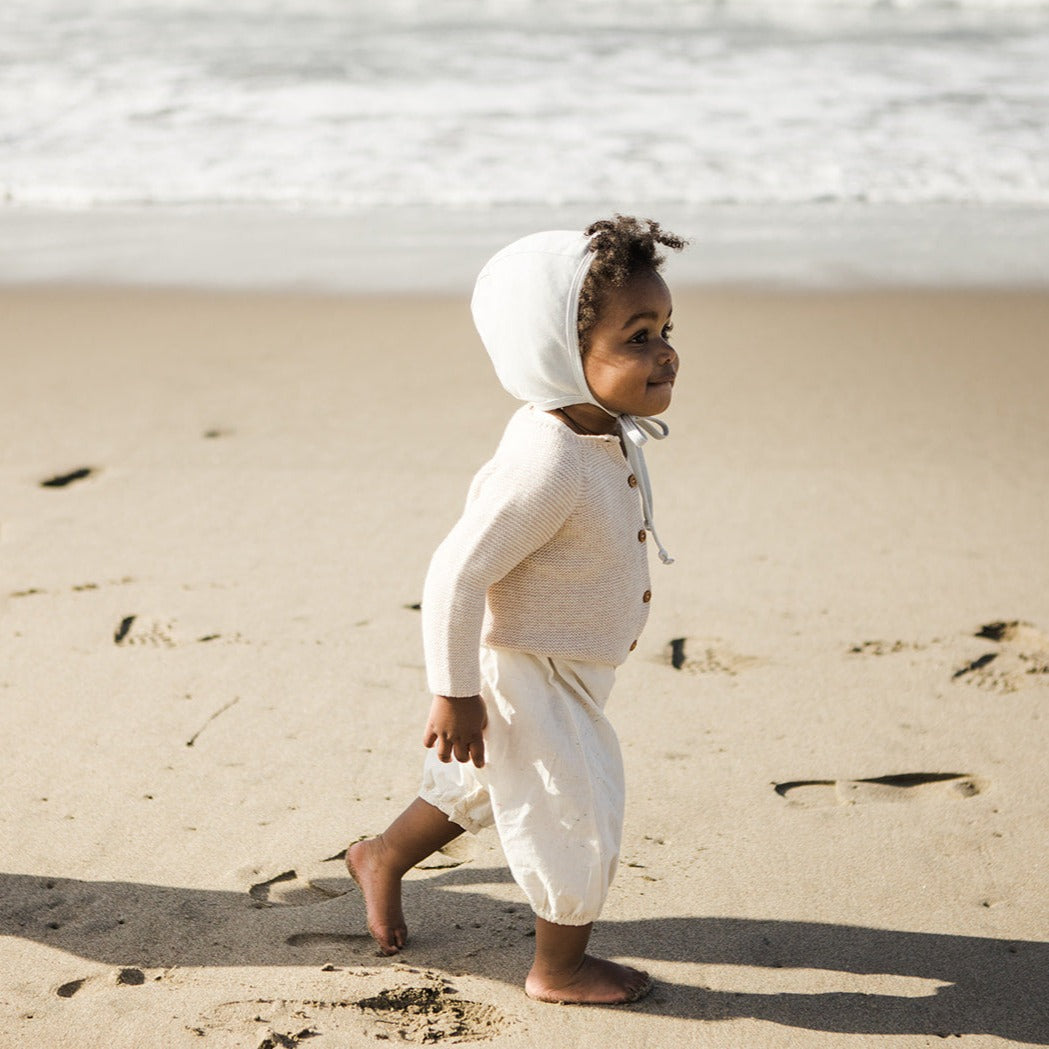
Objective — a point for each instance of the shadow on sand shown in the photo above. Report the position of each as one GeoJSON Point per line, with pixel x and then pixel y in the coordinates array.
{"type": "Point", "coordinates": [989, 986]}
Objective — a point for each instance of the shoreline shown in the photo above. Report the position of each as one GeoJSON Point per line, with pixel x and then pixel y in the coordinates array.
{"type": "Point", "coordinates": [419, 250]}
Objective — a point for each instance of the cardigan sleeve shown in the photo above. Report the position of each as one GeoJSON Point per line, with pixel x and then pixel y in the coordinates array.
{"type": "Point", "coordinates": [518, 503]}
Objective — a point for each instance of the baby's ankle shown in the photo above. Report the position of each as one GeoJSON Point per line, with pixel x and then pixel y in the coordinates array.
{"type": "Point", "coordinates": [377, 855]}
{"type": "Point", "coordinates": [559, 971]}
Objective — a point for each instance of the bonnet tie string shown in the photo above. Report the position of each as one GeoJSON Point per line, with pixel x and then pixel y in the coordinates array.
{"type": "Point", "coordinates": [637, 431]}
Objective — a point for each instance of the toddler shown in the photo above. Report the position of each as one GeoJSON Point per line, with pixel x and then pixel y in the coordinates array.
{"type": "Point", "coordinates": [538, 594]}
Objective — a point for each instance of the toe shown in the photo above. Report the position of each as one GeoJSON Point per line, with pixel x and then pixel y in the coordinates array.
{"type": "Point", "coordinates": [640, 988]}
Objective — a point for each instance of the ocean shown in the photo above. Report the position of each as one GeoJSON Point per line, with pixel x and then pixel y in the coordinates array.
{"type": "Point", "coordinates": [764, 128]}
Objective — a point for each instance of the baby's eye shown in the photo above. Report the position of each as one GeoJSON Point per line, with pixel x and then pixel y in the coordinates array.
{"type": "Point", "coordinates": [640, 338]}
{"type": "Point", "coordinates": [668, 328]}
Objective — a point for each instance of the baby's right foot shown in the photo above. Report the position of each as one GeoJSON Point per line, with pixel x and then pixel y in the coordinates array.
{"type": "Point", "coordinates": [596, 982]}
{"type": "Point", "coordinates": [381, 885]}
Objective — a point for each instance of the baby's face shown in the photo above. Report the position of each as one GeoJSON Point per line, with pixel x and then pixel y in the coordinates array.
{"type": "Point", "coordinates": [630, 365]}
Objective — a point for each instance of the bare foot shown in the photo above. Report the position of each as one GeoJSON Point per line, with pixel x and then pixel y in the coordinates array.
{"type": "Point", "coordinates": [380, 883]}
{"type": "Point", "coordinates": [595, 982]}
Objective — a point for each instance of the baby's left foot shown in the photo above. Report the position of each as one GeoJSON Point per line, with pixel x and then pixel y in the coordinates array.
{"type": "Point", "coordinates": [381, 885]}
{"type": "Point", "coordinates": [596, 982]}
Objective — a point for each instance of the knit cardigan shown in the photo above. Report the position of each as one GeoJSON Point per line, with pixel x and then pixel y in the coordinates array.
{"type": "Point", "coordinates": [548, 557]}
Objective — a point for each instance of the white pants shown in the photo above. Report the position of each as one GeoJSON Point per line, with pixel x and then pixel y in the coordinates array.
{"type": "Point", "coordinates": [552, 782]}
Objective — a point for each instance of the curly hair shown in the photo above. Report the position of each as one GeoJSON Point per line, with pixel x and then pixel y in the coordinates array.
{"type": "Point", "coordinates": [622, 247]}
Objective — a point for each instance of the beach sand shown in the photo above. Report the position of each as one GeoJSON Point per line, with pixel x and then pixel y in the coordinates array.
{"type": "Point", "coordinates": [833, 728]}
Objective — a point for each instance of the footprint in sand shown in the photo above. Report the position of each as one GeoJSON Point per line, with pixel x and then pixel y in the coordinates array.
{"type": "Point", "coordinates": [902, 787]}
{"type": "Point", "coordinates": [420, 1015]}
{"type": "Point", "coordinates": [159, 633]}
{"type": "Point", "coordinates": [431, 1014]}
{"type": "Point", "coordinates": [313, 883]}
{"type": "Point", "coordinates": [707, 656]}
{"type": "Point", "coordinates": [1020, 658]}
{"type": "Point", "coordinates": [288, 889]}
{"type": "Point", "coordinates": [140, 630]}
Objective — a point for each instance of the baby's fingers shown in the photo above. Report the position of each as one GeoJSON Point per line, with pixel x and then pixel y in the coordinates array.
{"type": "Point", "coordinates": [477, 753]}
{"type": "Point", "coordinates": [461, 750]}
{"type": "Point", "coordinates": [443, 747]}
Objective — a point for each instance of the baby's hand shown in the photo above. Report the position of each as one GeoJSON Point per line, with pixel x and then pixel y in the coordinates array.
{"type": "Point", "coordinates": [456, 725]}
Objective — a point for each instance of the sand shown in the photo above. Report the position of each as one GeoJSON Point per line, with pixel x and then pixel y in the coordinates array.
{"type": "Point", "coordinates": [833, 727]}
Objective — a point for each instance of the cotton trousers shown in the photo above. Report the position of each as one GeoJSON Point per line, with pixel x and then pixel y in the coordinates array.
{"type": "Point", "coordinates": [552, 784]}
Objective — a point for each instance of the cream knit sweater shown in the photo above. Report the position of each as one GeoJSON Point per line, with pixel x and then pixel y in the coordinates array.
{"type": "Point", "coordinates": [548, 557]}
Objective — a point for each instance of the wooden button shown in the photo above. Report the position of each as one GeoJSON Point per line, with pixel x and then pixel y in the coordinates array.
{"type": "Point", "coordinates": [646, 596]}
{"type": "Point", "coordinates": [641, 536]}
{"type": "Point", "coordinates": [632, 481]}
{"type": "Point", "coordinates": [633, 645]}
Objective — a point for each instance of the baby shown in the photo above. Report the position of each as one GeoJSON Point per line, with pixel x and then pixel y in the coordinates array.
{"type": "Point", "coordinates": [538, 594]}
